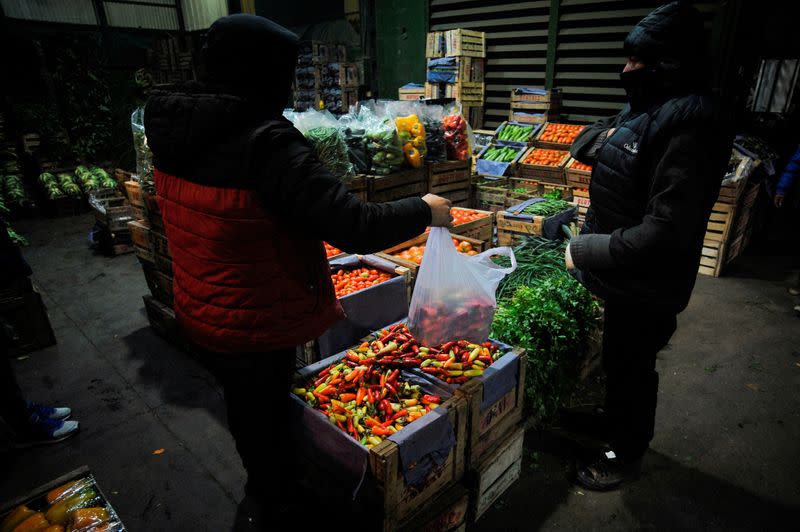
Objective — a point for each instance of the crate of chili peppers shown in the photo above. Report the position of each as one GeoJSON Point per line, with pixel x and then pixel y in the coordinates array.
{"type": "Point", "coordinates": [73, 502]}
{"type": "Point", "coordinates": [489, 376]}
{"type": "Point", "coordinates": [389, 436]}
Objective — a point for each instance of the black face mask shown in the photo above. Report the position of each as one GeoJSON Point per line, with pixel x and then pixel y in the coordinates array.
{"type": "Point", "coordinates": [643, 86]}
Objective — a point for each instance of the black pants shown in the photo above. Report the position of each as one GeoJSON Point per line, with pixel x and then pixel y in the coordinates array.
{"type": "Point", "coordinates": [13, 407]}
{"type": "Point", "coordinates": [256, 388]}
{"type": "Point", "coordinates": [632, 336]}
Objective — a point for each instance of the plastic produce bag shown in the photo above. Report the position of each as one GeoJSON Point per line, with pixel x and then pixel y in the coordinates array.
{"type": "Point", "coordinates": [355, 136]}
{"type": "Point", "coordinates": [144, 157]}
{"type": "Point", "coordinates": [457, 134]}
{"type": "Point", "coordinates": [383, 145]}
{"type": "Point", "coordinates": [322, 130]}
{"type": "Point", "coordinates": [455, 295]}
{"type": "Point", "coordinates": [431, 116]}
{"type": "Point", "coordinates": [410, 130]}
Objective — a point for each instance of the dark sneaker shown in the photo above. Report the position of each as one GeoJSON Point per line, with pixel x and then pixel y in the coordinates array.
{"type": "Point", "coordinates": [45, 412]}
{"type": "Point", "coordinates": [43, 431]}
{"type": "Point", "coordinates": [608, 472]}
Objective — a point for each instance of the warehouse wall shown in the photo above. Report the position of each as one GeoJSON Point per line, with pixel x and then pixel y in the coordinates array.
{"type": "Point", "coordinates": [401, 28]}
{"type": "Point", "coordinates": [581, 38]}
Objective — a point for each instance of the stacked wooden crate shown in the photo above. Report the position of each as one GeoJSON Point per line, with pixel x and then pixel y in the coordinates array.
{"type": "Point", "coordinates": [323, 77]}
{"type": "Point", "coordinates": [535, 105]}
{"type": "Point", "coordinates": [468, 48]}
{"type": "Point", "coordinates": [451, 180]}
{"type": "Point", "coordinates": [112, 212]}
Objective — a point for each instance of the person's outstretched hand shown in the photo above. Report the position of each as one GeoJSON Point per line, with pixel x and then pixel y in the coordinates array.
{"type": "Point", "coordinates": [440, 210]}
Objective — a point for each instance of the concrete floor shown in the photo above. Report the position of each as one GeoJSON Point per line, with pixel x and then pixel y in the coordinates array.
{"type": "Point", "coordinates": [725, 456]}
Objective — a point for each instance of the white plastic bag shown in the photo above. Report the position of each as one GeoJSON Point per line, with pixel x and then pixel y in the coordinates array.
{"type": "Point", "coordinates": [454, 296]}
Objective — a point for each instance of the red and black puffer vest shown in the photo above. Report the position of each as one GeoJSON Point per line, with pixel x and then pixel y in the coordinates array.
{"type": "Point", "coordinates": [242, 282]}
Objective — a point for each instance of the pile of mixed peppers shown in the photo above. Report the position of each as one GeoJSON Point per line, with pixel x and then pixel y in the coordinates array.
{"type": "Point", "coordinates": [365, 395]}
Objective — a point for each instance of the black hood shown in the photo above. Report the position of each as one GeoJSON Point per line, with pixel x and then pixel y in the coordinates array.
{"type": "Point", "coordinates": [670, 37]}
{"type": "Point", "coordinates": [201, 131]}
{"type": "Point", "coordinates": [251, 57]}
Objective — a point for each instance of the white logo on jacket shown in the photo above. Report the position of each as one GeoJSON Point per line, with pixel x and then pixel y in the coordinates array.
{"type": "Point", "coordinates": [632, 147]}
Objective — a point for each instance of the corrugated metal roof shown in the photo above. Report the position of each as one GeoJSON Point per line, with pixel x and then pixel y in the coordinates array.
{"type": "Point", "coordinates": [200, 14]}
{"type": "Point", "coordinates": [139, 16]}
{"type": "Point", "coordinates": [66, 11]}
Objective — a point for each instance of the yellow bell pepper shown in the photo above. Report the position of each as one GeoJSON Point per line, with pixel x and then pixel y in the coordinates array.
{"type": "Point", "coordinates": [17, 516]}
{"type": "Point", "coordinates": [414, 158]}
{"type": "Point", "coordinates": [418, 130]}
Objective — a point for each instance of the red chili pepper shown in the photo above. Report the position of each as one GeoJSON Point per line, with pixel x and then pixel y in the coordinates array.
{"type": "Point", "coordinates": [411, 362]}
{"type": "Point", "coordinates": [383, 379]}
{"type": "Point", "coordinates": [487, 344]}
{"type": "Point", "coordinates": [431, 399]}
{"type": "Point", "coordinates": [401, 338]}
{"type": "Point", "coordinates": [442, 358]}
{"type": "Point", "coordinates": [432, 371]}
{"type": "Point", "coordinates": [328, 391]}
{"type": "Point", "coordinates": [391, 388]}
{"type": "Point", "coordinates": [393, 376]}
{"type": "Point", "coordinates": [463, 343]}
{"type": "Point", "coordinates": [447, 346]}
{"type": "Point", "coordinates": [371, 422]}
{"type": "Point", "coordinates": [386, 407]}
{"type": "Point", "coordinates": [380, 431]}
{"type": "Point", "coordinates": [360, 396]}
{"type": "Point", "coordinates": [319, 381]}
{"type": "Point", "coordinates": [399, 414]}
{"type": "Point", "coordinates": [486, 360]}
{"type": "Point", "coordinates": [324, 372]}
{"type": "Point", "coordinates": [415, 349]}
{"type": "Point", "coordinates": [321, 398]}
{"type": "Point", "coordinates": [352, 356]}
{"type": "Point", "coordinates": [347, 397]}
{"type": "Point", "coordinates": [339, 423]}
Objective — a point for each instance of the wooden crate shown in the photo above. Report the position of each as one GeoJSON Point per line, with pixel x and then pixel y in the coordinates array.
{"type": "Point", "coordinates": [162, 320]}
{"type": "Point", "coordinates": [139, 213]}
{"type": "Point", "coordinates": [497, 168]}
{"type": "Point", "coordinates": [712, 258]}
{"type": "Point", "coordinates": [411, 93]}
{"type": "Point", "coordinates": [140, 233]}
{"type": "Point", "coordinates": [481, 229]}
{"type": "Point", "coordinates": [114, 212]}
{"type": "Point", "coordinates": [469, 69]}
{"type": "Point", "coordinates": [451, 180]}
{"type": "Point", "coordinates": [549, 145]}
{"type": "Point", "coordinates": [540, 188]}
{"type": "Point", "coordinates": [576, 177]}
{"type": "Point", "coordinates": [145, 255]}
{"type": "Point", "coordinates": [510, 230]}
{"type": "Point", "coordinates": [520, 192]}
{"type": "Point", "coordinates": [448, 512]}
{"type": "Point", "coordinates": [474, 113]}
{"type": "Point", "coordinates": [497, 472]}
{"type": "Point", "coordinates": [526, 117]}
{"type": "Point", "coordinates": [458, 42]}
{"type": "Point", "coordinates": [491, 194]}
{"type": "Point", "coordinates": [384, 488]}
{"type": "Point", "coordinates": [542, 173]}
{"type": "Point", "coordinates": [133, 190]}
{"type": "Point", "coordinates": [541, 96]}
{"type": "Point", "coordinates": [403, 184]}
{"type": "Point", "coordinates": [159, 243]}
{"type": "Point", "coordinates": [349, 99]}
{"type": "Point", "coordinates": [358, 187]}
{"type": "Point", "coordinates": [526, 142]}
{"type": "Point", "coordinates": [349, 76]}
{"type": "Point", "coordinates": [730, 192]}
{"type": "Point", "coordinates": [466, 92]}
{"type": "Point", "coordinates": [489, 423]}
{"type": "Point", "coordinates": [390, 254]}
{"type": "Point", "coordinates": [163, 264]}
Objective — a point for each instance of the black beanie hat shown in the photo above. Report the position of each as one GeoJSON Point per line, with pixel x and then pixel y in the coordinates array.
{"type": "Point", "coordinates": [672, 35]}
{"type": "Point", "coordinates": [252, 57]}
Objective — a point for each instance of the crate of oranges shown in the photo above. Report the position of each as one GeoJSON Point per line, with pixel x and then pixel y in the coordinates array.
{"type": "Point", "coordinates": [409, 254]}
{"type": "Point", "coordinates": [557, 136]}
{"type": "Point", "coordinates": [578, 174]}
{"type": "Point", "coordinates": [544, 165]}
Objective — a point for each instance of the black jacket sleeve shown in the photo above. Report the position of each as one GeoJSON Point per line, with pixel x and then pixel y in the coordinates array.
{"type": "Point", "coordinates": [683, 181]}
{"type": "Point", "coordinates": [586, 144]}
{"type": "Point", "coordinates": [293, 184]}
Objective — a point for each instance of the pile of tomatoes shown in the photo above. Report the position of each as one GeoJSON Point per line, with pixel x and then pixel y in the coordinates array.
{"type": "Point", "coordinates": [347, 282]}
{"type": "Point", "coordinates": [414, 253]}
{"type": "Point", "coordinates": [577, 165]}
{"type": "Point", "coordinates": [331, 251]}
{"type": "Point", "coordinates": [560, 133]}
{"type": "Point", "coordinates": [462, 216]}
{"type": "Point", "coordinates": [544, 157]}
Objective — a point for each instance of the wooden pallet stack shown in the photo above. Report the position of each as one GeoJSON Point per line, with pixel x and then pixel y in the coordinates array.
{"type": "Point", "coordinates": [535, 105]}
{"type": "Point", "coordinates": [730, 226]}
{"type": "Point", "coordinates": [112, 212]}
{"type": "Point", "coordinates": [451, 180]}
{"type": "Point", "coordinates": [466, 51]}
{"type": "Point", "coordinates": [324, 78]}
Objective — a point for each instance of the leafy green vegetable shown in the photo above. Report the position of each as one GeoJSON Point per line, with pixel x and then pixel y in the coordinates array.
{"type": "Point", "coordinates": [331, 150]}
{"type": "Point", "coordinates": [548, 207]}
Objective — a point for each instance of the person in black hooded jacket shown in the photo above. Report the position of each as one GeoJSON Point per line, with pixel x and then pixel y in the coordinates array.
{"type": "Point", "coordinates": [657, 170]}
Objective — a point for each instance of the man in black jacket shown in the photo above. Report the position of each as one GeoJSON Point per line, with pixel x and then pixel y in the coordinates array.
{"type": "Point", "coordinates": [658, 165]}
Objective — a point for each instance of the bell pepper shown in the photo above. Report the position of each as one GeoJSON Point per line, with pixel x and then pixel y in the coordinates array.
{"type": "Point", "coordinates": [414, 157]}
{"type": "Point", "coordinates": [57, 514]}
{"type": "Point", "coordinates": [36, 521]}
{"type": "Point", "coordinates": [84, 517]}
{"type": "Point", "coordinates": [418, 130]}
{"type": "Point", "coordinates": [58, 493]}
{"type": "Point", "coordinates": [17, 516]}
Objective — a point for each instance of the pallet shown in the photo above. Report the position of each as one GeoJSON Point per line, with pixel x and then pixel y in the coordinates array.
{"type": "Point", "coordinates": [140, 233]}
{"type": "Point", "coordinates": [496, 473]}
{"type": "Point", "coordinates": [577, 177]}
{"type": "Point", "coordinates": [458, 42]}
{"type": "Point", "coordinates": [399, 185]}
{"type": "Point", "coordinates": [349, 75]}
{"type": "Point", "coordinates": [481, 229]}
{"type": "Point", "coordinates": [465, 92]}
{"type": "Point", "coordinates": [718, 228]}
{"type": "Point", "coordinates": [542, 173]}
